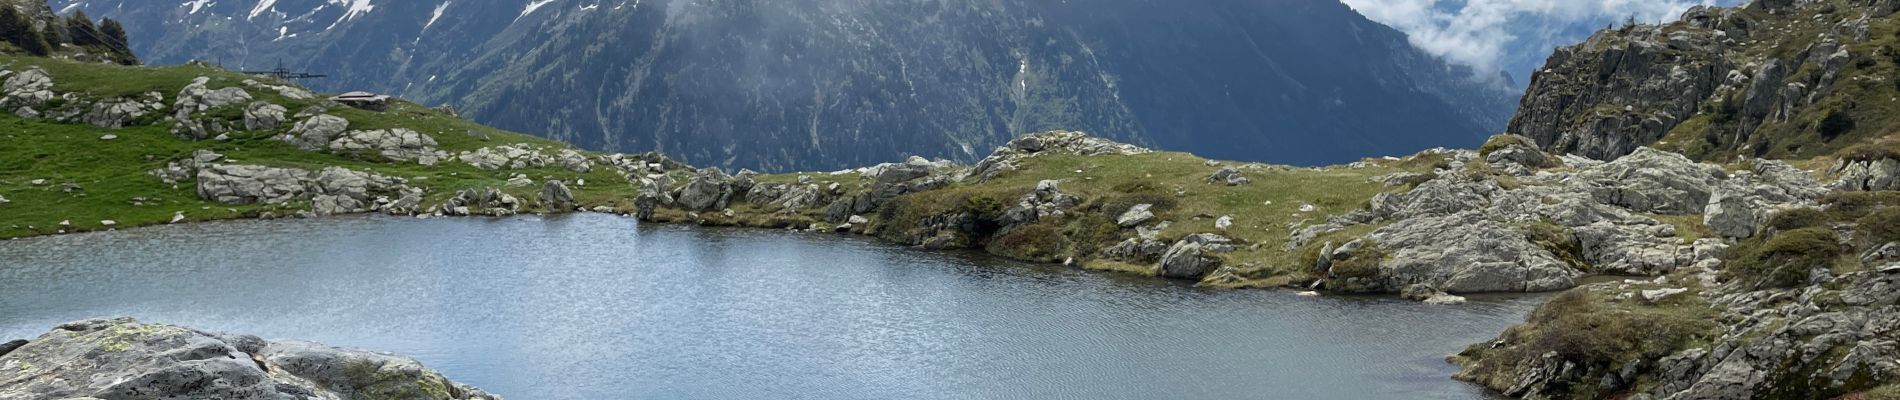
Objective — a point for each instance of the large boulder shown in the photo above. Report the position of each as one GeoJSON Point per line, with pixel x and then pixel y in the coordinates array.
{"type": "Point", "coordinates": [115, 114]}
{"type": "Point", "coordinates": [23, 91]}
{"type": "Point", "coordinates": [316, 132]}
{"type": "Point", "coordinates": [1466, 252]}
{"type": "Point", "coordinates": [710, 189]}
{"type": "Point", "coordinates": [197, 98]}
{"type": "Point", "coordinates": [251, 184]}
{"type": "Point", "coordinates": [555, 196]}
{"type": "Point", "coordinates": [1195, 256]}
{"type": "Point", "coordinates": [1651, 180]}
{"type": "Point", "coordinates": [262, 115]}
{"type": "Point", "coordinates": [126, 359]}
{"type": "Point", "coordinates": [395, 144]}
{"type": "Point", "coordinates": [1868, 175]}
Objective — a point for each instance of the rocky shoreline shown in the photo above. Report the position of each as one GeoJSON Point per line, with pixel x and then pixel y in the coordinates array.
{"type": "Point", "coordinates": [123, 358]}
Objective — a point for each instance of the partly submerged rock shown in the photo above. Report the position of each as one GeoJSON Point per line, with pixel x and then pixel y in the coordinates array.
{"type": "Point", "coordinates": [126, 359]}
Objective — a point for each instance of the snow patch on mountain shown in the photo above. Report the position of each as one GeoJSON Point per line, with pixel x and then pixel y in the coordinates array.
{"type": "Point", "coordinates": [436, 15]}
{"type": "Point", "coordinates": [261, 8]}
{"type": "Point", "coordinates": [535, 5]}
{"type": "Point", "coordinates": [197, 5]}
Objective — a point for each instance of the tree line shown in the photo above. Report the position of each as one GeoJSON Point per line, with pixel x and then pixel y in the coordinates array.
{"type": "Point", "coordinates": [78, 30]}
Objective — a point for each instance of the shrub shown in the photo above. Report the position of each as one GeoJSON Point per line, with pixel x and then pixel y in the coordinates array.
{"type": "Point", "coordinates": [1834, 125]}
{"type": "Point", "coordinates": [1847, 206]}
{"type": "Point", "coordinates": [1038, 242]}
{"type": "Point", "coordinates": [1089, 233]}
{"type": "Point", "coordinates": [1871, 152]}
{"type": "Point", "coordinates": [1597, 337]}
{"type": "Point", "coordinates": [1783, 260]}
{"type": "Point", "coordinates": [1579, 326]}
{"type": "Point", "coordinates": [1880, 227]}
{"type": "Point", "coordinates": [1797, 218]}
{"type": "Point", "coordinates": [1364, 263]}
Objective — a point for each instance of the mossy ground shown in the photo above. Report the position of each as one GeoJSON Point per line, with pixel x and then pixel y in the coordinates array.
{"type": "Point", "coordinates": [1601, 328]}
{"type": "Point", "coordinates": [1263, 211]}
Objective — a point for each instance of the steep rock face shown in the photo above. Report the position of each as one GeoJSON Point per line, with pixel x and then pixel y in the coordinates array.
{"type": "Point", "coordinates": [829, 83]}
{"type": "Point", "coordinates": [124, 358]}
{"type": "Point", "coordinates": [1772, 79]}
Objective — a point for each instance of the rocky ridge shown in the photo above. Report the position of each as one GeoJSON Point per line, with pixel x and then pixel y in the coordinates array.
{"type": "Point", "coordinates": [1777, 79]}
{"type": "Point", "coordinates": [124, 358]}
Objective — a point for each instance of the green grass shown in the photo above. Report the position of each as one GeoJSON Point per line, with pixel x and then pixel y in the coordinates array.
{"type": "Point", "coordinates": [112, 174]}
{"type": "Point", "coordinates": [1176, 184]}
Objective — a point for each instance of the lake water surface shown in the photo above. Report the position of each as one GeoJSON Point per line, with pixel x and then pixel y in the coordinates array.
{"type": "Point", "coordinates": [600, 307]}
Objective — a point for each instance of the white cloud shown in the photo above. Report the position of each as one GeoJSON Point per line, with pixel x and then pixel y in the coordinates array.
{"type": "Point", "coordinates": [1481, 33]}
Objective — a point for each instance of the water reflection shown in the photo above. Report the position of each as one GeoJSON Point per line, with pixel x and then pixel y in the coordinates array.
{"type": "Point", "coordinates": [592, 306]}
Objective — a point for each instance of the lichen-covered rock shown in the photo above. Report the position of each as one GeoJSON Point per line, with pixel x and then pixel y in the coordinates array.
{"type": "Point", "coordinates": [291, 92]}
{"type": "Point", "coordinates": [395, 144]}
{"type": "Point", "coordinates": [1651, 180]}
{"type": "Point", "coordinates": [263, 115]}
{"type": "Point", "coordinates": [1466, 253]}
{"type": "Point", "coordinates": [316, 132]}
{"type": "Point", "coordinates": [24, 91]}
{"type": "Point", "coordinates": [251, 184]}
{"type": "Point", "coordinates": [114, 114]}
{"type": "Point", "coordinates": [1046, 202]}
{"type": "Point", "coordinates": [197, 98]}
{"type": "Point", "coordinates": [523, 155]}
{"type": "Point", "coordinates": [1194, 256]}
{"type": "Point", "coordinates": [711, 189]}
{"type": "Point", "coordinates": [555, 196]}
{"type": "Point", "coordinates": [1005, 158]}
{"type": "Point", "coordinates": [1229, 176]}
{"type": "Point", "coordinates": [1868, 175]}
{"type": "Point", "coordinates": [126, 359]}
{"type": "Point", "coordinates": [1137, 215]}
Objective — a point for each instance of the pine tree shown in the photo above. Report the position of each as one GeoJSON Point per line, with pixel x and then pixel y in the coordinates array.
{"type": "Point", "coordinates": [114, 35]}
{"type": "Point", "coordinates": [80, 29]}
{"type": "Point", "coordinates": [16, 29]}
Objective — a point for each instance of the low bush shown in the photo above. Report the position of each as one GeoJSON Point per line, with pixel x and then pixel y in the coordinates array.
{"type": "Point", "coordinates": [1041, 242]}
{"type": "Point", "coordinates": [1849, 206]}
{"type": "Point", "coordinates": [1783, 260]}
{"type": "Point", "coordinates": [1797, 218]}
{"type": "Point", "coordinates": [1879, 227]}
{"type": "Point", "coordinates": [1364, 263]}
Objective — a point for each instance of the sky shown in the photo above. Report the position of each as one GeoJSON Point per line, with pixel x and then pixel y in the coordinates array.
{"type": "Point", "coordinates": [1512, 36]}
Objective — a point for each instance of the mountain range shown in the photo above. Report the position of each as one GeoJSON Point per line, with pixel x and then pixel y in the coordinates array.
{"type": "Point", "coordinates": [820, 84]}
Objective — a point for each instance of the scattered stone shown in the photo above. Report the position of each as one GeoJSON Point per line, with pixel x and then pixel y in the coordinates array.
{"type": "Point", "coordinates": [1140, 213]}
{"type": "Point", "coordinates": [1659, 294]}
{"type": "Point", "coordinates": [1229, 176]}
{"type": "Point", "coordinates": [109, 137]}
{"type": "Point", "coordinates": [1224, 222]}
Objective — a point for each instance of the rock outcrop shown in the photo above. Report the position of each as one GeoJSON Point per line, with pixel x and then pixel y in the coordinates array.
{"type": "Point", "coordinates": [1513, 227]}
{"type": "Point", "coordinates": [521, 156]}
{"type": "Point", "coordinates": [333, 190]}
{"type": "Point", "coordinates": [395, 144]}
{"type": "Point", "coordinates": [1006, 158]}
{"type": "Point", "coordinates": [189, 111]}
{"type": "Point", "coordinates": [125, 359]}
{"type": "Point", "coordinates": [25, 91]}
{"type": "Point", "coordinates": [316, 132]}
{"type": "Point", "coordinates": [1717, 75]}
